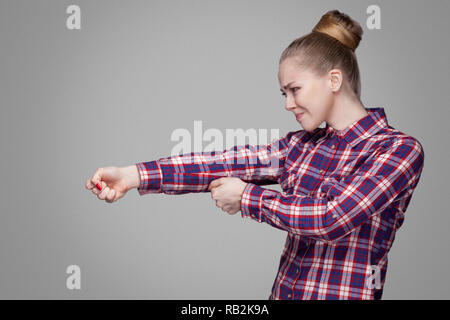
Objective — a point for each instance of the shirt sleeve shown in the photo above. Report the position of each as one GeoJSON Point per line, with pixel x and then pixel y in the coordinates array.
{"type": "Point", "coordinates": [390, 175]}
{"type": "Point", "coordinates": [192, 172]}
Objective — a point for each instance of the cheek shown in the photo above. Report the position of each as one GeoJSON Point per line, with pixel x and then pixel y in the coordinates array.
{"type": "Point", "coordinates": [316, 99]}
{"type": "Point", "coordinates": [322, 98]}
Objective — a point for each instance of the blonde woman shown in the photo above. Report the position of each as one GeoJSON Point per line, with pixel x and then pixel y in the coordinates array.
{"type": "Point", "coordinates": [345, 187]}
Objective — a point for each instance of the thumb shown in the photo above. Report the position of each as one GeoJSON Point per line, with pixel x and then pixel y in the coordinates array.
{"type": "Point", "coordinates": [97, 177]}
{"type": "Point", "coordinates": [215, 183]}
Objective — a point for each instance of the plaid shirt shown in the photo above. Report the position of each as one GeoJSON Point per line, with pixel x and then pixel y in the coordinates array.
{"type": "Point", "coordinates": [345, 193]}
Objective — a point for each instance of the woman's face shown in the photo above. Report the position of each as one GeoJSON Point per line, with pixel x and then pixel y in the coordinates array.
{"type": "Point", "coordinates": [306, 94]}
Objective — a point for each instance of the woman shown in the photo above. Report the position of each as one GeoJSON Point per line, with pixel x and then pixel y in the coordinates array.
{"type": "Point", "coordinates": [345, 187]}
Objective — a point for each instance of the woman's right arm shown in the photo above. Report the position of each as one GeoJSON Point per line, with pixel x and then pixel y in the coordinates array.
{"type": "Point", "coordinates": [192, 172]}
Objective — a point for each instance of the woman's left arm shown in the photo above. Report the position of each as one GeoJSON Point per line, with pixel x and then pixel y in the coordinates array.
{"type": "Point", "coordinates": [390, 175]}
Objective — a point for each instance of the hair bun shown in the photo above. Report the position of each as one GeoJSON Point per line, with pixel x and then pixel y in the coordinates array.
{"type": "Point", "coordinates": [341, 27]}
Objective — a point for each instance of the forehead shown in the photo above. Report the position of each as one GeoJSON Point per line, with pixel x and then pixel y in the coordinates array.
{"type": "Point", "coordinates": [292, 70]}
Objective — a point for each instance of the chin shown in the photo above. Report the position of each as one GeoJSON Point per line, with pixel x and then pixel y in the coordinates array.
{"type": "Point", "coordinates": [309, 128]}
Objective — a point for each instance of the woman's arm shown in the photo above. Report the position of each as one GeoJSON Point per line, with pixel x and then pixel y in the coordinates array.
{"type": "Point", "coordinates": [193, 172]}
{"type": "Point", "coordinates": [390, 176]}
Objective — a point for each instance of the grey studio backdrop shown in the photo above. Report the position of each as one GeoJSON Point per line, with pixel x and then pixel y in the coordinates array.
{"type": "Point", "coordinates": [113, 92]}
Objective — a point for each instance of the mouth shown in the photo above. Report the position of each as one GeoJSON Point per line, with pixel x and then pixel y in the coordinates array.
{"type": "Point", "coordinates": [299, 115]}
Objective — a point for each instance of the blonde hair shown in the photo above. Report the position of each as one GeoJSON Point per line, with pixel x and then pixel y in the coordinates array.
{"type": "Point", "coordinates": [331, 44]}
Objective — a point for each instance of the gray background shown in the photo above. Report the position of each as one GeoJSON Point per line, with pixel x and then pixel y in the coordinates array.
{"type": "Point", "coordinates": [113, 92]}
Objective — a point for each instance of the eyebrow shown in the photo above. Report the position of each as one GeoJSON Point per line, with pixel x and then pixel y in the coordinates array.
{"type": "Point", "coordinates": [286, 86]}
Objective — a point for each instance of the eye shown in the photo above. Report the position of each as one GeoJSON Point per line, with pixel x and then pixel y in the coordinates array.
{"type": "Point", "coordinates": [293, 89]}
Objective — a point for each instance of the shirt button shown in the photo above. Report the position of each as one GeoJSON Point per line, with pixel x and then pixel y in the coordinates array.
{"type": "Point", "coordinates": [321, 171]}
{"type": "Point", "coordinates": [332, 147]}
{"type": "Point", "coordinates": [289, 295]}
{"type": "Point", "coordinates": [335, 215]}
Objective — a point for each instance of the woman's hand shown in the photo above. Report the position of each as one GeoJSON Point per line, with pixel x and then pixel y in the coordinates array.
{"type": "Point", "coordinates": [115, 182]}
{"type": "Point", "coordinates": [227, 192]}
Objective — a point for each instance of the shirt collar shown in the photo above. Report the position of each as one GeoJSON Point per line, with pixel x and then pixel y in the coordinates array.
{"type": "Point", "coordinates": [358, 130]}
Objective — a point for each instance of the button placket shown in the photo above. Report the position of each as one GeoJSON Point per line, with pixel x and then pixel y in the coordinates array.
{"type": "Point", "coordinates": [322, 171]}
{"type": "Point", "coordinates": [298, 273]}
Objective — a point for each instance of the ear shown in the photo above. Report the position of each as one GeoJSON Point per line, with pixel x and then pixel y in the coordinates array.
{"type": "Point", "coordinates": [335, 79]}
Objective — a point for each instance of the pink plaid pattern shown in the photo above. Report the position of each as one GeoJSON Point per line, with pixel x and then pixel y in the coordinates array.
{"type": "Point", "coordinates": [344, 195]}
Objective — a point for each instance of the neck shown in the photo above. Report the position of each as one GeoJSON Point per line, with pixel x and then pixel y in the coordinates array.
{"type": "Point", "coordinates": [346, 110]}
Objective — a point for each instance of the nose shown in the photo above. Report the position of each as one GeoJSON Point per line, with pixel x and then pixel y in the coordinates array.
{"type": "Point", "coordinates": [290, 104]}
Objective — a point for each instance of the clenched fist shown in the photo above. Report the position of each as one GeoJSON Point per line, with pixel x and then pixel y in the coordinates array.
{"type": "Point", "coordinates": [227, 192]}
{"type": "Point", "coordinates": [115, 182]}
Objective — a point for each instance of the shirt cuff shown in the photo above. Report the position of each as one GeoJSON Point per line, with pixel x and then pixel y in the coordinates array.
{"type": "Point", "coordinates": [151, 177]}
{"type": "Point", "coordinates": [251, 201]}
